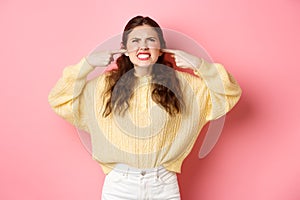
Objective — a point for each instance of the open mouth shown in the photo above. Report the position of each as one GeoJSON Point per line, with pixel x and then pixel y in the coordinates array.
{"type": "Point", "coordinates": [143, 55]}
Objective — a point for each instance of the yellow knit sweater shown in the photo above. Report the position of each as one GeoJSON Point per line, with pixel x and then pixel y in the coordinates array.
{"type": "Point", "coordinates": [146, 136]}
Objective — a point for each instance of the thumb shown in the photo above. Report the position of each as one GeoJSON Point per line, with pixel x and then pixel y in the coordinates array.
{"type": "Point", "coordinates": [118, 51]}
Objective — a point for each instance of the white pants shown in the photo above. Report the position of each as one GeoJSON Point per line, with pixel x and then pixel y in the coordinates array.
{"type": "Point", "coordinates": [128, 183]}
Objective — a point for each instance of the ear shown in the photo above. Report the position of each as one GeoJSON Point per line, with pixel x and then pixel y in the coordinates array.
{"type": "Point", "coordinates": [123, 47]}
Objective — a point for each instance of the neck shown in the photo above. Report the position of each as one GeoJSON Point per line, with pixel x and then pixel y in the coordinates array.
{"type": "Point", "coordinates": [142, 71]}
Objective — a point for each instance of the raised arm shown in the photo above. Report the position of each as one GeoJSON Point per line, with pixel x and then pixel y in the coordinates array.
{"type": "Point", "coordinates": [222, 89]}
{"type": "Point", "coordinates": [64, 96]}
{"type": "Point", "coordinates": [69, 97]}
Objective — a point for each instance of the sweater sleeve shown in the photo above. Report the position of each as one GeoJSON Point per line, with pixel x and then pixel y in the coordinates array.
{"type": "Point", "coordinates": [69, 95]}
{"type": "Point", "coordinates": [215, 89]}
{"type": "Point", "coordinates": [222, 89]}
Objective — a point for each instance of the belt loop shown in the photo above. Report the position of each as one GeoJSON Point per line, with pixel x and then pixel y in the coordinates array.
{"type": "Point", "coordinates": [127, 171]}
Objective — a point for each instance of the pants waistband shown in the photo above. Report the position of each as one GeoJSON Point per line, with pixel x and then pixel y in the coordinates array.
{"type": "Point", "coordinates": [126, 169]}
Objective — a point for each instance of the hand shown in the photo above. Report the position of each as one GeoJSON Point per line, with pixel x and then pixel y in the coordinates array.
{"type": "Point", "coordinates": [103, 58]}
{"type": "Point", "coordinates": [183, 59]}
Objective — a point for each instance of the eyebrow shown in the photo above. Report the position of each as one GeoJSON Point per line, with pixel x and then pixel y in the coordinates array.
{"type": "Point", "coordinates": [151, 37]}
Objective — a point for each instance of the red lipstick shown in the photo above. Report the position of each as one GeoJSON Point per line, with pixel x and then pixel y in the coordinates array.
{"type": "Point", "coordinates": [143, 56]}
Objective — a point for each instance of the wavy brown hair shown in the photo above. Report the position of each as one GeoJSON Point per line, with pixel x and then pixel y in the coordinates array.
{"type": "Point", "coordinates": [165, 85]}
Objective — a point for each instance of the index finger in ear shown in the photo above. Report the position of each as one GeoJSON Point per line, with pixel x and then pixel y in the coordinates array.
{"type": "Point", "coordinates": [171, 51]}
{"type": "Point", "coordinates": [119, 51]}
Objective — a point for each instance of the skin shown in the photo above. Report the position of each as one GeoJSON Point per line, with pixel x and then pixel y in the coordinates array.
{"type": "Point", "coordinates": [143, 49]}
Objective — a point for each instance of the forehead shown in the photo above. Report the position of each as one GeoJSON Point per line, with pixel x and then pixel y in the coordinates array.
{"type": "Point", "coordinates": [142, 32]}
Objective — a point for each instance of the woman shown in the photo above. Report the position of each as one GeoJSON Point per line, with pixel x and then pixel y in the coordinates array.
{"type": "Point", "coordinates": [143, 116]}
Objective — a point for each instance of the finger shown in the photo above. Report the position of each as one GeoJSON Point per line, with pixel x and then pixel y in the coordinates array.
{"type": "Point", "coordinates": [168, 51]}
{"type": "Point", "coordinates": [118, 51]}
{"type": "Point", "coordinates": [111, 59]}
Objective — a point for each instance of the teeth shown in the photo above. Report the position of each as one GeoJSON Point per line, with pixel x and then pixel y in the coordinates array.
{"type": "Point", "coordinates": [143, 56]}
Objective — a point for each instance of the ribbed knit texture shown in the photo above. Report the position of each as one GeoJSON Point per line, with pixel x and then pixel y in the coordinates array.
{"type": "Point", "coordinates": [146, 136]}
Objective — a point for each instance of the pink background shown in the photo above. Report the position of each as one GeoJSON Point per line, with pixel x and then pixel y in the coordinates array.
{"type": "Point", "coordinates": [257, 156]}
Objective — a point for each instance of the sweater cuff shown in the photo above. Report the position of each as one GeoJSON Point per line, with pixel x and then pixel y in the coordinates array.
{"type": "Point", "coordinates": [207, 70]}
{"type": "Point", "coordinates": [86, 68]}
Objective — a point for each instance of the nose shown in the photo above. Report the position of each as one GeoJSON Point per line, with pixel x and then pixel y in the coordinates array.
{"type": "Point", "coordinates": [144, 46]}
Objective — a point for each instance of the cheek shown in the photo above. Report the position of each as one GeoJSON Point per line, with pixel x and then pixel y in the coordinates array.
{"type": "Point", "coordinates": [132, 57]}
{"type": "Point", "coordinates": [132, 47]}
{"type": "Point", "coordinates": [154, 45]}
{"type": "Point", "coordinates": [155, 53]}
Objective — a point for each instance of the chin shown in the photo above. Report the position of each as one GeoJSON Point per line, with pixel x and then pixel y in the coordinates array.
{"type": "Point", "coordinates": [143, 65]}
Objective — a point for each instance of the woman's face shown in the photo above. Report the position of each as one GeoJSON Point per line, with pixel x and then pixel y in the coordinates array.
{"type": "Point", "coordinates": [143, 46]}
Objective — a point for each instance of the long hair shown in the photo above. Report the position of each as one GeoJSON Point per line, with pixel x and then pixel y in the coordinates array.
{"type": "Point", "coordinates": [165, 85]}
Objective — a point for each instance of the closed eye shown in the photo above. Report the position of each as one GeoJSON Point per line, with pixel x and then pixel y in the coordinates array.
{"type": "Point", "coordinates": [152, 39]}
{"type": "Point", "coordinates": [135, 40]}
